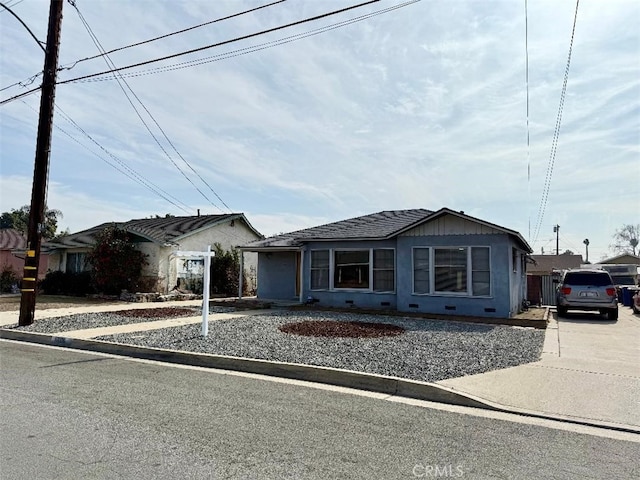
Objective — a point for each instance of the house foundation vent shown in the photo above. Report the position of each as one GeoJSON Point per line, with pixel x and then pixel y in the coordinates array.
{"type": "Point", "coordinates": [385, 304]}
{"type": "Point", "coordinates": [490, 310]}
{"type": "Point", "coordinates": [349, 302]}
{"type": "Point", "coordinates": [449, 307]}
{"type": "Point", "coordinates": [413, 305]}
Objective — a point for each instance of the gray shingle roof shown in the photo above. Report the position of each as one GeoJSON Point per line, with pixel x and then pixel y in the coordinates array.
{"type": "Point", "coordinates": [159, 230]}
{"type": "Point", "coordinates": [11, 239]}
{"type": "Point", "coordinates": [375, 226]}
{"type": "Point", "coordinates": [547, 263]}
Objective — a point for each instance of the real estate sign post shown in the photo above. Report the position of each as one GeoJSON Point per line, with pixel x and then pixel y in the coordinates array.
{"type": "Point", "coordinates": [206, 282]}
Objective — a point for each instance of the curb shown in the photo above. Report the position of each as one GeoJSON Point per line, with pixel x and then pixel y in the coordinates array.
{"type": "Point", "coordinates": [393, 386]}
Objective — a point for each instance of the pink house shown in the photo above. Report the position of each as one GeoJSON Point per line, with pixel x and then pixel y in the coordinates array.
{"type": "Point", "coordinates": [12, 248]}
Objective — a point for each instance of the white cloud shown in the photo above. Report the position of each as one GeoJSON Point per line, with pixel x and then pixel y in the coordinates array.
{"type": "Point", "coordinates": [422, 107]}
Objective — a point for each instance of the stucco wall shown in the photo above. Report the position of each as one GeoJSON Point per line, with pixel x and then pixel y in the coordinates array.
{"type": "Point", "coordinates": [10, 260]}
{"type": "Point", "coordinates": [225, 234]}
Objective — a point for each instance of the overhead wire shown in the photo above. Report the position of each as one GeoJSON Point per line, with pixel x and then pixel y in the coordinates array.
{"type": "Point", "coordinates": [234, 53]}
{"type": "Point", "coordinates": [24, 25]}
{"type": "Point", "coordinates": [144, 42]}
{"type": "Point", "coordinates": [556, 134]}
{"type": "Point", "coordinates": [121, 81]}
{"type": "Point", "coordinates": [250, 49]}
{"type": "Point", "coordinates": [218, 44]}
{"type": "Point", "coordinates": [128, 171]}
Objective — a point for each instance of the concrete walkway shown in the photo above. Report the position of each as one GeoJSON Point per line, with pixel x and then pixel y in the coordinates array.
{"type": "Point", "coordinates": [589, 371]}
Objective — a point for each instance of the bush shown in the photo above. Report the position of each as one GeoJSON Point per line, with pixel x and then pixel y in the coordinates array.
{"type": "Point", "coordinates": [225, 270]}
{"type": "Point", "coordinates": [116, 263]}
{"type": "Point", "coordinates": [8, 279]}
{"type": "Point", "coordinates": [67, 283]}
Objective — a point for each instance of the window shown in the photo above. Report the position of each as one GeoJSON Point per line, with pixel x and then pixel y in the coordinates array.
{"type": "Point", "coordinates": [458, 270]}
{"type": "Point", "coordinates": [76, 262]}
{"type": "Point", "coordinates": [351, 269]}
{"type": "Point", "coordinates": [480, 272]}
{"type": "Point", "coordinates": [371, 269]}
{"type": "Point", "coordinates": [421, 270]}
{"type": "Point", "coordinates": [383, 270]}
{"type": "Point", "coordinates": [450, 269]}
{"type": "Point", "coordinates": [319, 269]}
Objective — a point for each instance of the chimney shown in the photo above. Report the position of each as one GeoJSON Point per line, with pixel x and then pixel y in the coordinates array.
{"type": "Point", "coordinates": [198, 212]}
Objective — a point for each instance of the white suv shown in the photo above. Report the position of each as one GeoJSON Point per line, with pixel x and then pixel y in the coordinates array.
{"type": "Point", "coordinates": [582, 289]}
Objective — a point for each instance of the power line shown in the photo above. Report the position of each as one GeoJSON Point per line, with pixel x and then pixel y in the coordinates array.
{"type": "Point", "coordinates": [172, 33]}
{"type": "Point", "coordinates": [119, 80]}
{"type": "Point", "coordinates": [12, 5]}
{"type": "Point", "coordinates": [234, 53]}
{"type": "Point", "coordinates": [73, 64]}
{"type": "Point", "coordinates": [24, 25]}
{"type": "Point", "coordinates": [225, 42]}
{"type": "Point", "coordinates": [17, 97]}
{"type": "Point", "coordinates": [128, 172]}
{"type": "Point", "coordinates": [556, 133]}
{"type": "Point", "coordinates": [251, 49]}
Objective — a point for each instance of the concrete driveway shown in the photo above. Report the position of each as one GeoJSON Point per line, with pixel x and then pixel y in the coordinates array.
{"type": "Point", "coordinates": [590, 369]}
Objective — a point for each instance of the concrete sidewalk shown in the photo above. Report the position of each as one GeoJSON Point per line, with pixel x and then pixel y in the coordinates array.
{"type": "Point", "coordinates": [589, 371]}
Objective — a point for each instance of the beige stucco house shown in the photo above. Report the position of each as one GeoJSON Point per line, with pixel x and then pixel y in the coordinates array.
{"type": "Point", "coordinates": [160, 239]}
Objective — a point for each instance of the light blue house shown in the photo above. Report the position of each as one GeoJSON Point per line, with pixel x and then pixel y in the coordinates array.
{"type": "Point", "coordinates": [442, 262]}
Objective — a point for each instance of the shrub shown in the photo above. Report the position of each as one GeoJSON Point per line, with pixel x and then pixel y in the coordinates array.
{"type": "Point", "coordinates": [115, 261]}
{"type": "Point", "coordinates": [67, 283]}
{"type": "Point", "coordinates": [225, 269]}
{"type": "Point", "coordinates": [8, 279]}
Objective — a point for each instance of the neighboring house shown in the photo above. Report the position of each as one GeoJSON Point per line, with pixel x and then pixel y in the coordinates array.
{"type": "Point", "coordinates": [12, 250]}
{"type": "Point", "coordinates": [540, 273]}
{"type": "Point", "coordinates": [160, 239]}
{"type": "Point", "coordinates": [625, 258]}
{"type": "Point", "coordinates": [442, 262]}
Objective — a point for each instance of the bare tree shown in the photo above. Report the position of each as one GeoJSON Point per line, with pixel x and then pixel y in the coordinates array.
{"type": "Point", "coordinates": [626, 239]}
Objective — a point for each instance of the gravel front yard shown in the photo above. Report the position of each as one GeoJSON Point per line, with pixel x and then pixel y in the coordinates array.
{"type": "Point", "coordinates": [429, 350]}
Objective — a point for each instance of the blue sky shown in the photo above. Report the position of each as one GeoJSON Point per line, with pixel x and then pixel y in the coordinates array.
{"type": "Point", "coordinates": [421, 107]}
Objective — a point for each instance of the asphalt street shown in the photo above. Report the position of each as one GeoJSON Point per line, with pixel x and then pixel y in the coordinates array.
{"type": "Point", "coordinates": [69, 414]}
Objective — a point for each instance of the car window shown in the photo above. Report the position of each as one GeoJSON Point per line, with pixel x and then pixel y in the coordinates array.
{"type": "Point", "coordinates": [584, 278]}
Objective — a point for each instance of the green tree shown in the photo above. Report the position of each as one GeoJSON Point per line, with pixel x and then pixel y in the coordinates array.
{"type": "Point", "coordinates": [19, 220]}
{"type": "Point", "coordinates": [626, 238]}
{"type": "Point", "coordinates": [116, 264]}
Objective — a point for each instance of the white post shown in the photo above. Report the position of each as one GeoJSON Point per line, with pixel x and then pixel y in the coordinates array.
{"type": "Point", "coordinates": [205, 292]}
{"type": "Point", "coordinates": [241, 274]}
{"type": "Point", "coordinates": [301, 298]}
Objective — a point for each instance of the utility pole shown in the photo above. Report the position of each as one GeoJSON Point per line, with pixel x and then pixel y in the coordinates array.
{"type": "Point", "coordinates": [556, 230]}
{"type": "Point", "coordinates": [41, 168]}
{"type": "Point", "coordinates": [586, 243]}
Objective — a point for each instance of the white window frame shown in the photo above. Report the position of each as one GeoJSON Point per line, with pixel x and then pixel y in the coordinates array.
{"type": "Point", "coordinates": [413, 270]}
{"type": "Point", "coordinates": [469, 283]}
{"type": "Point", "coordinates": [311, 269]}
{"type": "Point", "coordinates": [370, 289]}
{"type": "Point", "coordinates": [373, 270]}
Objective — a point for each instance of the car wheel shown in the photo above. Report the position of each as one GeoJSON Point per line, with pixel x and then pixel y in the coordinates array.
{"type": "Point", "coordinates": [612, 314]}
{"type": "Point", "coordinates": [562, 311]}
